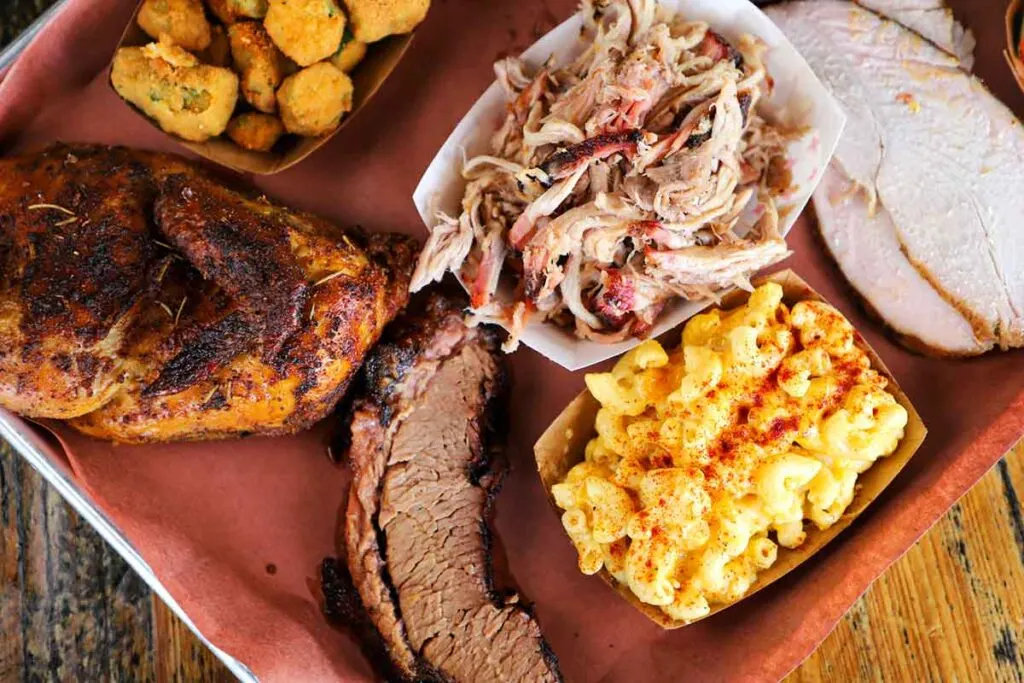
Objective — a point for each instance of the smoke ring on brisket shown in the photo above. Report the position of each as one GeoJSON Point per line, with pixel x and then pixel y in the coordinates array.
{"type": "Point", "coordinates": [426, 471]}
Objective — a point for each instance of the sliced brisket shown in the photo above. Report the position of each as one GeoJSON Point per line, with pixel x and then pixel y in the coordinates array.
{"type": "Point", "coordinates": [417, 539]}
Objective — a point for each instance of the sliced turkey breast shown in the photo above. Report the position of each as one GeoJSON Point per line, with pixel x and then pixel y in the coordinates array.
{"type": "Point", "coordinates": [931, 146]}
{"type": "Point", "coordinates": [869, 254]}
{"type": "Point", "coordinates": [933, 21]}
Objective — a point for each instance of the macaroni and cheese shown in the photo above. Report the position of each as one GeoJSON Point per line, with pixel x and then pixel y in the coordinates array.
{"type": "Point", "coordinates": [709, 457]}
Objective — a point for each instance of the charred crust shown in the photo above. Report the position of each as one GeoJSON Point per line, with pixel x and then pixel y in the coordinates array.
{"type": "Point", "coordinates": [744, 99]}
{"type": "Point", "coordinates": [394, 253]}
{"type": "Point", "coordinates": [697, 139]}
{"type": "Point", "coordinates": [203, 355]}
{"type": "Point", "coordinates": [550, 658]}
{"type": "Point", "coordinates": [569, 156]}
{"type": "Point", "coordinates": [681, 115]}
{"type": "Point", "coordinates": [714, 44]}
{"type": "Point", "coordinates": [420, 343]}
{"type": "Point", "coordinates": [382, 371]}
{"type": "Point", "coordinates": [102, 253]}
{"type": "Point", "coordinates": [62, 361]}
{"type": "Point", "coordinates": [488, 466]}
{"type": "Point", "coordinates": [343, 609]}
{"type": "Point", "coordinates": [401, 345]}
{"type": "Point", "coordinates": [488, 469]}
{"type": "Point", "coordinates": [88, 365]}
{"type": "Point", "coordinates": [309, 382]}
{"type": "Point", "coordinates": [341, 601]}
{"type": "Point", "coordinates": [534, 281]}
{"type": "Point", "coordinates": [239, 243]}
{"type": "Point", "coordinates": [83, 264]}
{"type": "Point", "coordinates": [217, 401]}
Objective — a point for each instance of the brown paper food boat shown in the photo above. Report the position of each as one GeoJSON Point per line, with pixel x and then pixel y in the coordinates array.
{"type": "Point", "coordinates": [562, 446]}
{"type": "Point", "coordinates": [381, 59]}
{"type": "Point", "coordinates": [1014, 15]}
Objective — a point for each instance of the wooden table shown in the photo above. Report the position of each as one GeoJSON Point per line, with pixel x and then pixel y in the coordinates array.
{"type": "Point", "coordinates": [952, 609]}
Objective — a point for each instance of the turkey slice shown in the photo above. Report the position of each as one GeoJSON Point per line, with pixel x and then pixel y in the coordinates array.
{"type": "Point", "coordinates": [869, 254]}
{"type": "Point", "coordinates": [931, 147]}
{"type": "Point", "coordinates": [933, 21]}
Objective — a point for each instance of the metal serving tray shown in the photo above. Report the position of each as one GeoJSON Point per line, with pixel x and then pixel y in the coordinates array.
{"type": "Point", "coordinates": [50, 463]}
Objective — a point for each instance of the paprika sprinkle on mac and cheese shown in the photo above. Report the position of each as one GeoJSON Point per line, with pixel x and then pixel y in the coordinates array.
{"type": "Point", "coordinates": [711, 456]}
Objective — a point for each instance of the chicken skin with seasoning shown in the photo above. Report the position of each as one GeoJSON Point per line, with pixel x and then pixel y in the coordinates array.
{"type": "Point", "coordinates": [240, 317]}
{"type": "Point", "coordinates": [75, 250]}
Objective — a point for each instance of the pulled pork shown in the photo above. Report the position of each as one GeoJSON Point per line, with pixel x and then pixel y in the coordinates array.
{"type": "Point", "coordinates": [620, 181]}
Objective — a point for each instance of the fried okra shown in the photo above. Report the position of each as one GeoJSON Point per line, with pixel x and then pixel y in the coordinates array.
{"type": "Point", "coordinates": [251, 9]}
{"type": "Point", "coordinates": [305, 30]}
{"type": "Point", "coordinates": [230, 11]}
{"type": "Point", "coordinates": [218, 53]}
{"type": "Point", "coordinates": [288, 67]}
{"type": "Point", "coordinates": [183, 22]}
{"type": "Point", "coordinates": [375, 19]}
{"type": "Point", "coordinates": [258, 61]}
{"type": "Point", "coordinates": [256, 131]}
{"type": "Point", "coordinates": [185, 97]}
{"type": "Point", "coordinates": [313, 101]}
{"type": "Point", "coordinates": [350, 53]}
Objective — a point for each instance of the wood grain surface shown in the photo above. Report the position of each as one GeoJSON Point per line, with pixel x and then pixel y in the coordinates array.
{"type": "Point", "coordinates": [70, 608]}
{"type": "Point", "coordinates": [952, 609]}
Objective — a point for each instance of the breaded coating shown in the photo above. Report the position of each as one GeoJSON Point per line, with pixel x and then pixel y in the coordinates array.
{"type": "Point", "coordinates": [375, 19]}
{"type": "Point", "coordinates": [185, 97]}
{"type": "Point", "coordinates": [230, 11]}
{"type": "Point", "coordinates": [258, 61]}
{"type": "Point", "coordinates": [255, 131]}
{"type": "Point", "coordinates": [312, 101]}
{"type": "Point", "coordinates": [218, 53]}
{"type": "Point", "coordinates": [288, 67]}
{"type": "Point", "coordinates": [220, 9]}
{"type": "Point", "coordinates": [251, 9]}
{"type": "Point", "coordinates": [305, 30]}
{"type": "Point", "coordinates": [349, 54]}
{"type": "Point", "coordinates": [183, 22]}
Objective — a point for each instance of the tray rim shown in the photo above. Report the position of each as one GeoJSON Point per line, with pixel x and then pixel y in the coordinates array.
{"type": "Point", "coordinates": [24, 443]}
{"type": "Point", "coordinates": [10, 54]}
{"type": "Point", "coordinates": [20, 435]}
{"type": "Point", "coordinates": [14, 429]}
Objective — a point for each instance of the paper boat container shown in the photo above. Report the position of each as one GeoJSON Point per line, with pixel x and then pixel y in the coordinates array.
{"type": "Point", "coordinates": [381, 59]}
{"type": "Point", "coordinates": [799, 99]}
{"type": "Point", "coordinates": [1014, 17]}
{"type": "Point", "coordinates": [563, 444]}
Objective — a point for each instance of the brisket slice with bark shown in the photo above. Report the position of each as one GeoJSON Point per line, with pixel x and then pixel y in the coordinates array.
{"type": "Point", "coordinates": [417, 541]}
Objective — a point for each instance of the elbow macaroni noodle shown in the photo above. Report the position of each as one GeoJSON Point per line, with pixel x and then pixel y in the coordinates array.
{"type": "Point", "coordinates": [709, 457]}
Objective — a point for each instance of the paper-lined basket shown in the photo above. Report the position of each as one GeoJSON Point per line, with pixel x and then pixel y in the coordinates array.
{"type": "Point", "coordinates": [798, 100]}
{"type": "Point", "coordinates": [562, 446]}
{"type": "Point", "coordinates": [381, 59]}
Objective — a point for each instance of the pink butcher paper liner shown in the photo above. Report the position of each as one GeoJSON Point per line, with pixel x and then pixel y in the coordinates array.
{"type": "Point", "coordinates": [210, 518]}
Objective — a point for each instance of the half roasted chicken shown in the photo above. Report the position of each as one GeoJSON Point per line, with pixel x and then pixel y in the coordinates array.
{"type": "Point", "coordinates": [146, 301]}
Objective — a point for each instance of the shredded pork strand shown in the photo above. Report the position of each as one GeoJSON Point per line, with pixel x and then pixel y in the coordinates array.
{"type": "Point", "coordinates": [617, 183]}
